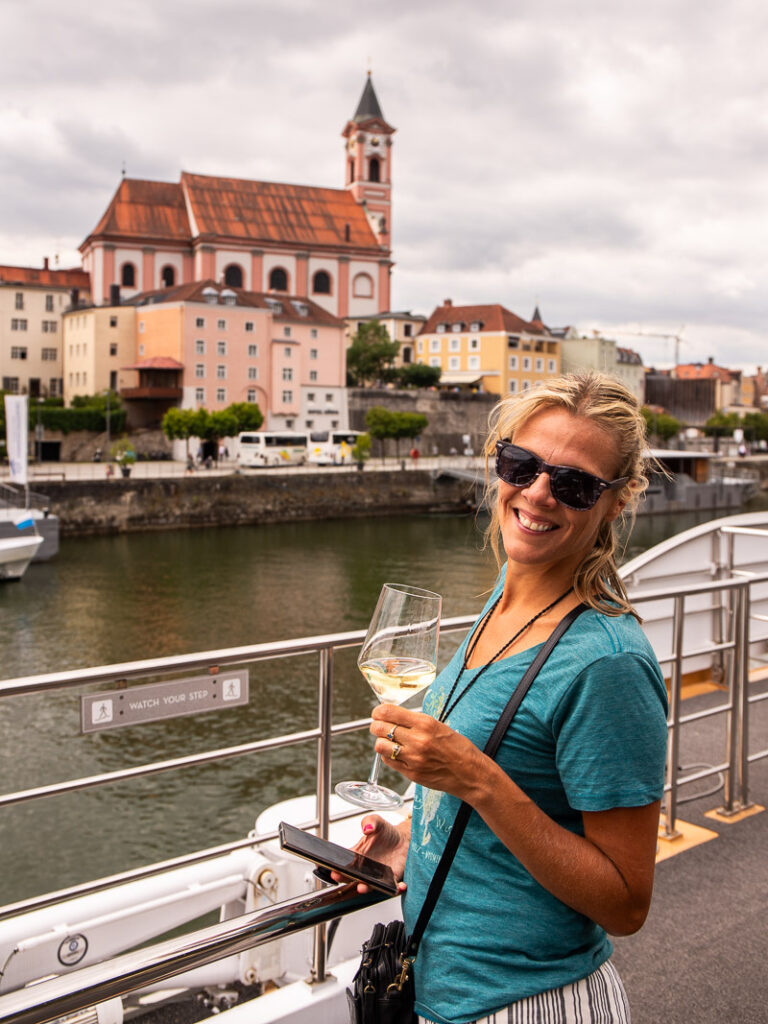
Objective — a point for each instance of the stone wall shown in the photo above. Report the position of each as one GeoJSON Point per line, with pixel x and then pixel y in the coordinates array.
{"type": "Point", "coordinates": [450, 415]}
{"type": "Point", "coordinates": [122, 506]}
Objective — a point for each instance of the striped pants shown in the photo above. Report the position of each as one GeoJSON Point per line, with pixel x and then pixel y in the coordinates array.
{"type": "Point", "coordinates": [597, 999]}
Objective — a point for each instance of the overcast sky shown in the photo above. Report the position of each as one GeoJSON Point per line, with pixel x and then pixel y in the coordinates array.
{"type": "Point", "coordinates": [604, 159]}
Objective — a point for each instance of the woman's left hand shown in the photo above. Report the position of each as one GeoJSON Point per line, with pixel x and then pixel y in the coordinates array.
{"type": "Point", "coordinates": [426, 751]}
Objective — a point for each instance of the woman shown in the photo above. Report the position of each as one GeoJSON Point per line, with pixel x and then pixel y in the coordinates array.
{"type": "Point", "coordinates": [561, 848]}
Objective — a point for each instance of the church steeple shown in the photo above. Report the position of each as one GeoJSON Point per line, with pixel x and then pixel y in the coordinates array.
{"type": "Point", "coordinates": [369, 161]}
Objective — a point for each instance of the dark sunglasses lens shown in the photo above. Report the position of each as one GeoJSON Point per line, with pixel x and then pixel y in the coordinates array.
{"type": "Point", "coordinates": [516, 466]}
{"type": "Point", "coordinates": [575, 488]}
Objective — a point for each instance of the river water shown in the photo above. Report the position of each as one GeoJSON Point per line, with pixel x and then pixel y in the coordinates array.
{"type": "Point", "coordinates": [110, 599]}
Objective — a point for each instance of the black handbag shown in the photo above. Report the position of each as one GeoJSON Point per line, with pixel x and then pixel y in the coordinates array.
{"type": "Point", "coordinates": [382, 991]}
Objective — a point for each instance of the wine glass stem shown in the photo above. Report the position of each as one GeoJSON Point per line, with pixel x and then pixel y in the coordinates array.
{"type": "Point", "coordinates": [373, 778]}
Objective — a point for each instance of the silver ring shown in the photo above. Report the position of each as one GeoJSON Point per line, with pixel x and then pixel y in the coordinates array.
{"type": "Point", "coordinates": [391, 734]}
{"type": "Point", "coordinates": [395, 752]}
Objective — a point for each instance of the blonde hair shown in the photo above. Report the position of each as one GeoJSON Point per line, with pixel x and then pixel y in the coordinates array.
{"type": "Point", "coordinates": [608, 404]}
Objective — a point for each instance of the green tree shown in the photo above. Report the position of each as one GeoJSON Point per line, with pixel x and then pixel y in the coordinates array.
{"type": "Point", "coordinates": [661, 424]}
{"type": "Point", "coordinates": [180, 425]}
{"type": "Point", "coordinates": [221, 424]}
{"type": "Point", "coordinates": [371, 356]}
{"type": "Point", "coordinates": [722, 423]}
{"type": "Point", "coordinates": [248, 415]}
{"type": "Point", "coordinates": [756, 426]}
{"type": "Point", "coordinates": [384, 423]}
{"type": "Point", "coordinates": [418, 375]}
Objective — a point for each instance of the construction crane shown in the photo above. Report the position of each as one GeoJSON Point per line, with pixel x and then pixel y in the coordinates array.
{"type": "Point", "coordinates": [677, 338]}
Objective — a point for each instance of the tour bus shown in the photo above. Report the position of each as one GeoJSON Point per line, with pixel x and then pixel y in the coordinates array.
{"type": "Point", "coordinates": [271, 448]}
{"type": "Point", "coordinates": [332, 447]}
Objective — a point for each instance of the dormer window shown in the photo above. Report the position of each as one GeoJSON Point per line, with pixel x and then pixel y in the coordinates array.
{"type": "Point", "coordinates": [476, 325]}
{"type": "Point", "coordinates": [229, 297]}
{"type": "Point", "coordinates": [210, 295]}
{"type": "Point", "coordinates": [441, 328]}
{"type": "Point", "coordinates": [457, 327]}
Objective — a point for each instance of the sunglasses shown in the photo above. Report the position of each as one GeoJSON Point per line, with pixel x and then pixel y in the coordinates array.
{"type": "Point", "coordinates": [573, 488]}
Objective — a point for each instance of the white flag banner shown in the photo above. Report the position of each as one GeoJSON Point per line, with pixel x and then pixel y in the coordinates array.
{"type": "Point", "coordinates": [16, 430]}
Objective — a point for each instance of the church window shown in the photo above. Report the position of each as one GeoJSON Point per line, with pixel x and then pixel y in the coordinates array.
{"type": "Point", "coordinates": [407, 354]}
{"type": "Point", "coordinates": [278, 279]}
{"type": "Point", "coordinates": [168, 276]}
{"type": "Point", "coordinates": [374, 169]}
{"type": "Point", "coordinates": [233, 276]}
{"type": "Point", "coordinates": [128, 275]}
{"type": "Point", "coordinates": [362, 286]}
{"type": "Point", "coordinates": [321, 283]}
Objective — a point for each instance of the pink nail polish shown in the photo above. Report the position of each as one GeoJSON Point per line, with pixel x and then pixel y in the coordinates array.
{"type": "Point", "coordinates": [367, 829]}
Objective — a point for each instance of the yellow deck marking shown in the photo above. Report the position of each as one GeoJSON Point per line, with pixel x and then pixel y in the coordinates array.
{"type": "Point", "coordinates": [690, 836]}
{"type": "Point", "coordinates": [730, 819]}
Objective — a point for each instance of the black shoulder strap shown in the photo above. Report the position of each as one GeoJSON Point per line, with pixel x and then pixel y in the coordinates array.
{"type": "Point", "coordinates": [490, 749]}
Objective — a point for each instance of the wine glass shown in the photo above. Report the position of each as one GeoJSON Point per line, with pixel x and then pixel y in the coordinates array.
{"type": "Point", "coordinates": [398, 659]}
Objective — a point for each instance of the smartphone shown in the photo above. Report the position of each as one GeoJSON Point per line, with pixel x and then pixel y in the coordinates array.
{"type": "Point", "coordinates": [331, 857]}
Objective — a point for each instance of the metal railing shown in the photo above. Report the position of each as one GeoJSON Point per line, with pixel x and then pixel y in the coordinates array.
{"type": "Point", "coordinates": [100, 981]}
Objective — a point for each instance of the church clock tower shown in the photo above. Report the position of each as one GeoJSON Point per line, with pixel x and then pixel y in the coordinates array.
{"type": "Point", "coordinates": [369, 162]}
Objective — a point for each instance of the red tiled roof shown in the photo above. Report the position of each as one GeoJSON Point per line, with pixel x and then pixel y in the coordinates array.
{"type": "Point", "coordinates": [272, 212]}
{"type": "Point", "coordinates": [704, 371]}
{"type": "Point", "coordinates": [235, 209]}
{"type": "Point", "coordinates": [156, 363]}
{"type": "Point", "coordinates": [194, 292]}
{"type": "Point", "coordinates": [145, 209]}
{"type": "Point", "coordinates": [72, 278]}
{"type": "Point", "coordinates": [493, 318]}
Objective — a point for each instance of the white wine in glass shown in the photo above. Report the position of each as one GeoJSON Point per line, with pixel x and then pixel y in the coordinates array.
{"type": "Point", "coordinates": [398, 659]}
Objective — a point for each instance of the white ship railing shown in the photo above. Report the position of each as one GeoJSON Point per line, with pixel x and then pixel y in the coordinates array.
{"type": "Point", "coordinates": [97, 982]}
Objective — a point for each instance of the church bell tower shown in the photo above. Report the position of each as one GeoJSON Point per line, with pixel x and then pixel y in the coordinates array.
{"type": "Point", "coordinates": [368, 155]}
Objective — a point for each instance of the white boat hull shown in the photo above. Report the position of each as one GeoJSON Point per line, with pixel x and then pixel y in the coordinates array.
{"type": "Point", "coordinates": [15, 555]}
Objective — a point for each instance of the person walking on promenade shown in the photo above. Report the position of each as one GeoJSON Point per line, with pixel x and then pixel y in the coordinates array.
{"type": "Point", "coordinates": [560, 848]}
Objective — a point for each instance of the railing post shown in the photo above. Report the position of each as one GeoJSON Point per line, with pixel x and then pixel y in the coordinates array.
{"type": "Point", "coordinates": [324, 723]}
{"type": "Point", "coordinates": [740, 631]}
{"type": "Point", "coordinates": [673, 744]}
{"type": "Point", "coordinates": [743, 745]}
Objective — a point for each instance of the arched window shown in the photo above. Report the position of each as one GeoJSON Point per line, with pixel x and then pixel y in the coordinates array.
{"type": "Point", "coordinates": [362, 286]}
{"type": "Point", "coordinates": [128, 275]}
{"type": "Point", "coordinates": [168, 276]}
{"type": "Point", "coordinates": [321, 283]}
{"type": "Point", "coordinates": [278, 279]}
{"type": "Point", "coordinates": [233, 276]}
{"type": "Point", "coordinates": [374, 169]}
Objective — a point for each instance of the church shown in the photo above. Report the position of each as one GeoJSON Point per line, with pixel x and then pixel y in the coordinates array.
{"type": "Point", "coordinates": [331, 245]}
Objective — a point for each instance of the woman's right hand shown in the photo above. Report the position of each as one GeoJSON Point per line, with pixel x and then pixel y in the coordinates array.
{"type": "Point", "coordinates": [384, 842]}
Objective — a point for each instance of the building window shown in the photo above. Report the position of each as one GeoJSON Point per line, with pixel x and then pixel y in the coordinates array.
{"type": "Point", "coordinates": [455, 344]}
{"type": "Point", "coordinates": [407, 354]}
{"type": "Point", "coordinates": [141, 326]}
{"type": "Point", "coordinates": [128, 275]}
{"type": "Point", "coordinates": [310, 396]}
{"type": "Point", "coordinates": [48, 303]}
{"type": "Point", "coordinates": [551, 365]}
{"type": "Point", "coordinates": [287, 351]}
{"type": "Point", "coordinates": [313, 353]}
{"type": "Point", "coordinates": [434, 344]}
{"type": "Point", "coordinates": [441, 328]}
{"type": "Point", "coordinates": [221, 348]}
{"type": "Point", "coordinates": [221, 372]}
{"type": "Point", "coordinates": [526, 385]}
{"type": "Point", "coordinates": [253, 373]}
{"type": "Point", "coordinates": [362, 286]}
{"type": "Point", "coordinates": [526, 362]}
{"type": "Point", "coordinates": [55, 386]}
{"type": "Point", "coordinates": [321, 283]}
{"type": "Point", "coordinates": [475, 325]}
{"type": "Point", "coordinates": [19, 300]}
{"type": "Point", "coordinates": [286, 332]}
{"type": "Point", "coordinates": [200, 321]}
{"type": "Point", "coordinates": [374, 169]}
{"type": "Point", "coordinates": [513, 387]}
{"type": "Point", "coordinates": [18, 352]}
{"type": "Point", "coordinates": [221, 394]}
{"type": "Point", "coordinates": [199, 369]}
{"type": "Point", "coordinates": [11, 384]}
{"type": "Point", "coordinates": [434, 361]}
{"type": "Point", "coordinates": [251, 394]}
{"type": "Point", "coordinates": [113, 348]}
{"type": "Point", "coordinates": [113, 321]}
{"type": "Point", "coordinates": [313, 375]}
{"type": "Point", "coordinates": [456, 328]}
{"type": "Point", "coordinates": [199, 347]}
{"type": "Point", "coordinates": [50, 355]}
{"type": "Point", "coordinates": [473, 363]}
{"type": "Point", "coordinates": [233, 276]}
{"type": "Point", "coordinates": [49, 326]}
{"type": "Point", "coordinates": [168, 276]}
{"type": "Point", "coordinates": [199, 394]}
{"type": "Point", "coordinates": [253, 351]}
{"type": "Point", "coordinates": [287, 373]}
{"type": "Point", "coordinates": [141, 350]}
{"type": "Point", "coordinates": [18, 325]}
{"type": "Point", "coordinates": [287, 396]}
{"type": "Point", "coordinates": [249, 325]}
{"type": "Point", "coordinates": [407, 330]}
{"type": "Point", "coordinates": [454, 362]}
{"type": "Point", "coordinates": [513, 362]}
{"type": "Point", "coordinates": [221, 325]}
{"type": "Point", "coordinates": [513, 342]}
{"type": "Point", "coordinates": [539, 366]}
{"type": "Point", "coordinates": [313, 332]}
{"type": "Point", "coordinates": [420, 346]}
{"type": "Point", "coordinates": [278, 279]}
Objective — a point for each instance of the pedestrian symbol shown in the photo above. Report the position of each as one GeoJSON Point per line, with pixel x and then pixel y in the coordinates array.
{"type": "Point", "coordinates": [230, 689]}
{"type": "Point", "coordinates": [101, 711]}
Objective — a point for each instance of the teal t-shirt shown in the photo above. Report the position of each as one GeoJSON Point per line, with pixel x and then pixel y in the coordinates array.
{"type": "Point", "coordinates": [590, 735]}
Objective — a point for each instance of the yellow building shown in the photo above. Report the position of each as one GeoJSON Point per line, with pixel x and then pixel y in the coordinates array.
{"type": "Point", "coordinates": [99, 342]}
{"type": "Point", "coordinates": [488, 348]}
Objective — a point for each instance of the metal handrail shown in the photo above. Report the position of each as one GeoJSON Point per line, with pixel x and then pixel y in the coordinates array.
{"type": "Point", "coordinates": [123, 974]}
